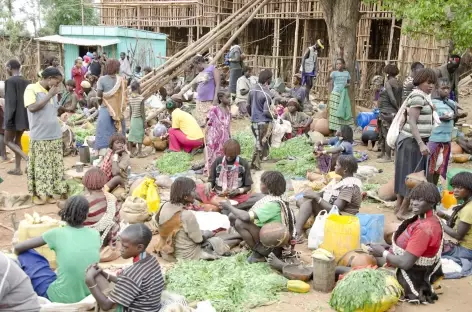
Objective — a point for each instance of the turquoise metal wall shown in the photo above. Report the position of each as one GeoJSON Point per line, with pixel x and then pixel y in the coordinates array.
{"type": "Point", "coordinates": [71, 52]}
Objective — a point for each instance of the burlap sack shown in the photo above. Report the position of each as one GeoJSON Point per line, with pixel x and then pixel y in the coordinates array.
{"type": "Point", "coordinates": [134, 210]}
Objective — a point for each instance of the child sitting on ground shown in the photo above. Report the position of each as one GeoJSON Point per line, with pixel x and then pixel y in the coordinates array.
{"type": "Point", "coordinates": [76, 248]}
{"type": "Point", "coordinates": [115, 164]}
{"type": "Point", "coordinates": [137, 288]}
{"type": "Point", "coordinates": [69, 101]}
{"type": "Point", "coordinates": [341, 144]}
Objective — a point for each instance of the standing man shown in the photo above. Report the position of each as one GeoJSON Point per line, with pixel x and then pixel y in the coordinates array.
{"type": "Point", "coordinates": [15, 116]}
{"type": "Point", "coordinates": [95, 67]}
{"type": "Point", "coordinates": [260, 105]}
{"type": "Point", "coordinates": [449, 71]}
{"type": "Point", "coordinates": [309, 66]}
{"type": "Point", "coordinates": [125, 66]}
{"type": "Point", "coordinates": [235, 67]}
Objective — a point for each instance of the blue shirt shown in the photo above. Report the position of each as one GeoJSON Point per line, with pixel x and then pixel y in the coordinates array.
{"type": "Point", "coordinates": [347, 147]}
{"type": "Point", "coordinates": [260, 101]}
{"type": "Point", "coordinates": [443, 132]}
{"type": "Point", "coordinates": [339, 80]}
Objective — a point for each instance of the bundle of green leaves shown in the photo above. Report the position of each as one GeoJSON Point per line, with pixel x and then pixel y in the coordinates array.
{"type": "Point", "coordinates": [365, 290]}
{"type": "Point", "coordinates": [296, 147]}
{"type": "Point", "coordinates": [172, 163]}
{"type": "Point", "coordinates": [246, 140]}
{"type": "Point", "coordinates": [81, 134]}
{"type": "Point", "coordinates": [296, 167]}
{"type": "Point", "coordinates": [230, 284]}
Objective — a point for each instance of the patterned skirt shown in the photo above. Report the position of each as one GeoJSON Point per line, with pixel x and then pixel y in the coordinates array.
{"type": "Point", "coordinates": [335, 123]}
{"type": "Point", "coordinates": [201, 111]}
{"type": "Point", "coordinates": [46, 168]}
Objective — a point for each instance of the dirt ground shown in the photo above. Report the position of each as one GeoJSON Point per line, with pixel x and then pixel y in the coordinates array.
{"type": "Point", "coordinates": [455, 296]}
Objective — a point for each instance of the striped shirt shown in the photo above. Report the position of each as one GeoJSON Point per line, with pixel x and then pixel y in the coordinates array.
{"type": "Point", "coordinates": [134, 102]}
{"type": "Point", "coordinates": [425, 120]}
{"type": "Point", "coordinates": [140, 286]}
{"type": "Point", "coordinates": [407, 88]}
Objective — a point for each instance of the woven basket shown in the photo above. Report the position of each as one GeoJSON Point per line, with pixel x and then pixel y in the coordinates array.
{"type": "Point", "coordinates": [324, 274]}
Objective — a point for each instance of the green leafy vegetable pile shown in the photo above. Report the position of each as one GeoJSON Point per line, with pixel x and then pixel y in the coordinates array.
{"type": "Point", "coordinates": [365, 290]}
{"type": "Point", "coordinates": [246, 140]}
{"type": "Point", "coordinates": [172, 163]}
{"type": "Point", "coordinates": [296, 167]}
{"type": "Point", "coordinates": [231, 283]}
{"type": "Point", "coordinates": [81, 134]}
{"type": "Point", "coordinates": [298, 146]}
{"type": "Point", "coordinates": [369, 187]}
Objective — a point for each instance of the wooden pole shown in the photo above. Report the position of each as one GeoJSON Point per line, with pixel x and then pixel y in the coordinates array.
{"type": "Point", "coordinates": [295, 44]}
{"type": "Point", "coordinates": [83, 18]}
{"type": "Point", "coordinates": [274, 49]}
{"type": "Point", "coordinates": [38, 55]}
{"type": "Point", "coordinates": [277, 52]}
{"type": "Point", "coordinates": [390, 42]}
{"type": "Point", "coordinates": [305, 35]}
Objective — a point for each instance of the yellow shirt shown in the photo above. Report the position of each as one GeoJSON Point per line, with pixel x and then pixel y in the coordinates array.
{"type": "Point", "coordinates": [187, 124]}
{"type": "Point", "coordinates": [465, 215]}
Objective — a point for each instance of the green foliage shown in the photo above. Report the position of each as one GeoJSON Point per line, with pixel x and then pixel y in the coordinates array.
{"type": "Point", "coordinates": [246, 140]}
{"type": "Point", "coordinates": [296, 167]}
{"type": "Point", "coordinates": [66, 12]}
{"type": "Point", "coordinates": [172, 163]}
{"type": "Point", "coordinates": [362, 290]}
{"type": "Point", "coordinates": [296, 147]}
{"type": "Point", "coordinates": [231, 283]}
{"type": "Point", "coordinates": [81, 134]}
{"type": "Point", "coordinates": [449, 19]}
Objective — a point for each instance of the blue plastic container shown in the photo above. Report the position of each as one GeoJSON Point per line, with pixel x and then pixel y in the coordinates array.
{"type": "Point", "coordinates": [372, 228]}
{"type": "Point", "coordinates": [364, 118]}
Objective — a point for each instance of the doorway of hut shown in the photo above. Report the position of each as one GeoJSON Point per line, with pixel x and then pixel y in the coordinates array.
{"type": "Point", "coordinates": [84, 49]}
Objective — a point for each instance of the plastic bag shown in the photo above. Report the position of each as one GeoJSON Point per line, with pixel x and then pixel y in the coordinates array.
{"type": "Point", "coordinates": [315, 238]}
{"type": "Point", "coordinates": [147, 190]}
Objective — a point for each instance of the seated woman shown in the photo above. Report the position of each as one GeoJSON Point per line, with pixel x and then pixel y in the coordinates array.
{"type": "Point", "coordinates": [103, 214]}
{"type": "Point", "coordinates": [179, 232]}
{"type": "Point", "coordinates": [345, 195]}
{"type": "Point", "coordinates": [459, 223]}
{"type": "Point", "coordinates": [230, 176]}
{"type": "Point", "coordinates": [115, 164]}
{"type": "Point", "coordinates": [299, 120]}
{"type": "Point", "coordinates": [271, 208]}
{"type": "Point", "coordinates": [76, 248]}
{"type": "Point", "coordinates": [416, 247]}
{"type": "Point", "coordinates": [298, 91]}
{"type": "Point", "coordinates": [341, 144]}
{"type": "Point", "coordinates": [185, 133]}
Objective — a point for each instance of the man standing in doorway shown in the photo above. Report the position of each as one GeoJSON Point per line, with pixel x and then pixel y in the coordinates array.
{"type": "Point", "coordinates": [125, 66]}
{"type": "Point", "coordinates": [95, 67]}
{"type": "Point", "coordinates": [309, 67]}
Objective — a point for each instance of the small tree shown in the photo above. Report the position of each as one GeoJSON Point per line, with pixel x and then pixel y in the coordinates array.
{"type": "Point", "coordinates": [447, 19]}
{"type": "Point", "coordinates": [341, 18]}
{"type": "Point", "coordinates": [66, 12]}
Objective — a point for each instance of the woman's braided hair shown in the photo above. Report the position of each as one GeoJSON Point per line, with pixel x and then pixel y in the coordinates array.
{"type": "Point", "coordinates": [94, 179]}
{"type": "Point", "coordinates": [75, 210]}
{"type": "Point", "coordinates": [275, 182]}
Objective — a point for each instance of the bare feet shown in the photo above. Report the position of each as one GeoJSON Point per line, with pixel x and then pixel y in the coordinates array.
{"type": "Point", "coordinates": [38, 200]}
{"type": "Point", "coordinates": [275, 263]}
{"type": "Point", "coordinates": [16, 172]}
{"type": "Point", "coordinates": [256, 257]}
{"type": "Point", "coordinates": [369, 145]}
{"type": "Point", "coordinates": [384, 160]}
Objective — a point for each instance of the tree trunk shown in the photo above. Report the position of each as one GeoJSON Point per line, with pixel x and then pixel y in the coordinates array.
{"type": "Point", "coordinates": [341, 18]}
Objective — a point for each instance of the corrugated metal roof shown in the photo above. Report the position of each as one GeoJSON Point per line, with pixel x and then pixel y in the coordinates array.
{"type": "Point", "coordinates": [78, 41]}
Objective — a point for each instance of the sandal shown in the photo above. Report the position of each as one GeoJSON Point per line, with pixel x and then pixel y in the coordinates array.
{"type": "Point", "coordinates": [37, 200]}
